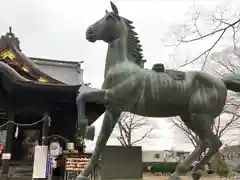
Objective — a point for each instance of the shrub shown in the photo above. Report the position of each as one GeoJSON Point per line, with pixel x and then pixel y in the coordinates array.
{"type": "Point", "coordinates": [164, 167]}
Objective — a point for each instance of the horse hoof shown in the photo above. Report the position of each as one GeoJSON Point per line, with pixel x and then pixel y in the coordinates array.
{"type": "Point", "coordinates": [196, 175]}
{"type": "Point", "coordinates": [174, 176]}
{"type": "Point", "coordinates": [81, 177]}
{"type": "Point", "coordinates": [90, 133]}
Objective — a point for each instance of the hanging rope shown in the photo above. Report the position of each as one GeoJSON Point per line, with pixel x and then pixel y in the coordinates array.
{"type": "Point", "coordinates": [33, 124]}
{"type": "Point", "coordinates": [24, 125]}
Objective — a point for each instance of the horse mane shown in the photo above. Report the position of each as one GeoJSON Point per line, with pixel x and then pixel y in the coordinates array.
{"type": "Point", "coordinates": [133, 43]}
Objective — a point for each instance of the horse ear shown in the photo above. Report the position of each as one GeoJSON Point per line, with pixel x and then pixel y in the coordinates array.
{"type": "Point", "coordinates": [106, 11]}
{"type": "Point", "coordinates": [114, 7]}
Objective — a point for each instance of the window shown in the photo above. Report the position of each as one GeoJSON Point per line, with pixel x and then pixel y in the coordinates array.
{"type": "Point", "coordinates": [157, 156]}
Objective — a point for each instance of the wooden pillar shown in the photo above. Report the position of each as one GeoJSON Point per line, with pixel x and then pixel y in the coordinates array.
{"type": "Point", "coordinates": [45, 128]}
{"type": "Point", "coordinates": [45, 132]}
{"type": "Point", "coordinates": [8, 146]}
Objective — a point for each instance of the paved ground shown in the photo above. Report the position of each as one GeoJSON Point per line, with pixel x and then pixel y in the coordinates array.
{"type": "Point", "coordinates": [147, 177]}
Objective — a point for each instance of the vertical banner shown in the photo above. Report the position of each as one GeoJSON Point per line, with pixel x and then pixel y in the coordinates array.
{"type": "Point", "coordinates": [49, 167]}
{"type": "Point", "coordinates": [40, 162]}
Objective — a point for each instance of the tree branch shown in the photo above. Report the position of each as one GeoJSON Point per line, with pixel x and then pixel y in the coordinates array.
{"type": "Point", "coordinates": [127, 123]}
{"type": "Point", "coordinates": [182, 39]}
{"type": "Point", "coordinates": [211, 33]}
{"type": "Point", "coordinates": [190, 135]}
{"type": "Point", "coordinates": [143, 137]}
{"type": "Point", "coordinates": [227, 125]}
{"type": "Point", "coordinates": [207, 52]}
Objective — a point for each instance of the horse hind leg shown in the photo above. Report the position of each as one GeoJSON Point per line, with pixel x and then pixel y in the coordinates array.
{"type": "Point", "coordinates": [185, 166]}
{"type": "Point", "coordinates": [215, 144]}
{"type": "Point", "coordinates": [205, 105]}
{"type": "Point", "coordinates": [202, 127]}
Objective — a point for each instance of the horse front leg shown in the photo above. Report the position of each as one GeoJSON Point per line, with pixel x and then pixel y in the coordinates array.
{"type": "Point", "coordinates": [109, 122]}
{"type": "Point", "coordinates": [84, 96]}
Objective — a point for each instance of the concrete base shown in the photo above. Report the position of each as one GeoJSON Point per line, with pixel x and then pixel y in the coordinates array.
{"type": "Point", "coordinates": [4, 177]}
{"type": "Point", "coordinates": [98, 178]}
{"type": "Point", "coordinates": [128, 179]}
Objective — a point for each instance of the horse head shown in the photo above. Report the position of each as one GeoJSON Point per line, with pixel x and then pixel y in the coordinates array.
{"type": "Point", "coordinates": [109, 28]}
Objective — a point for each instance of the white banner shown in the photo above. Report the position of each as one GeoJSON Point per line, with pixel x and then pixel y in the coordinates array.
{"type": "Point", "coordinates": [40, 161]}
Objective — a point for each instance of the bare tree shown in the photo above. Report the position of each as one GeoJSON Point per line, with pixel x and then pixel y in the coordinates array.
{"type": "Point", "coordinates": [210, 27]}
{"type": "Point", "coordinates": [188, 135]}
{"type": "Point", "coordinates": [129, 125]}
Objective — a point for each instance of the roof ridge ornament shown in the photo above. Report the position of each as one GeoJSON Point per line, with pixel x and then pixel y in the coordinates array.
{"type": "Point", "coordinates": [10, 33]}
{"type": "Point", "coordinates": [9, 39]}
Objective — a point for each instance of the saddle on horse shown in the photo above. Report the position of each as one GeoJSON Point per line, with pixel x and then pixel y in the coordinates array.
{"type": "Point", "coordinates": [176, 75]}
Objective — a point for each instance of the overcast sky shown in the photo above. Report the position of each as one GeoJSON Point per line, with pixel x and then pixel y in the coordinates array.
{"type": "Point", "coordinates": [56, 29]}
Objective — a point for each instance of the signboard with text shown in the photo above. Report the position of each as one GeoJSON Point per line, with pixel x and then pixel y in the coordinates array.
{"type": "Point", "coordinates": [74, 165]}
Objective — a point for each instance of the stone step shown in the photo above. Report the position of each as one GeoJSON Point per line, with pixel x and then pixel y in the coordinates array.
{"type": "Point", "coordinates": [29, 178]}
{"type": "Point", "coordinates": [20, 172]}
{"type": "Point", "coordinates": [16, 178]}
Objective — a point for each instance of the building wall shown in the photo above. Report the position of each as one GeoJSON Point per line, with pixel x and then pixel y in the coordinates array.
{"type": "Point", "coordinates": [161, 156]}
{"type": "Point", "coordinates": [152, 156]}
{"type": "Point", "coordinates": [232, 155]}
{"type": "Point", "coordinates": [175, 156]}
{"type": "Point", "coordinates": [65, 71]}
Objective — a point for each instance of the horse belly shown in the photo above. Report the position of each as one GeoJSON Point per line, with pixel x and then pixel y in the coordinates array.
{"type": "Point", "coordinates": [163, 102]}
{"type": "Point", "coordinates": [161, 109]}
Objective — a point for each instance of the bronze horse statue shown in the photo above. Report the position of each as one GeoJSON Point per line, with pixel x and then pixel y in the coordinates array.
{"type": "Point", "coordinates": [198, 98]}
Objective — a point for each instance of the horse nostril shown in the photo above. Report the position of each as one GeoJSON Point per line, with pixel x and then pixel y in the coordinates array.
{"type": "Point", "coordinates": [90, 35]}
{"type": "Point", "coordinates": [90, 30]}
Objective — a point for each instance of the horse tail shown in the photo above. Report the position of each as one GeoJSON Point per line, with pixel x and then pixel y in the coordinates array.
{"type": "Point", "coordinates": [209, 80]}
{"type": "Point", "coordinates": [232, 82]}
